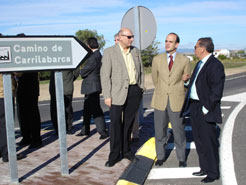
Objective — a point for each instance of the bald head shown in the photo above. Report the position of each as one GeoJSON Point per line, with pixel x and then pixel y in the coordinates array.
{"type": "Point", "coordinates": [125, 38]}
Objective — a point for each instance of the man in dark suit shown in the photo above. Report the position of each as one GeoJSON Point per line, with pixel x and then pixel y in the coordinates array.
{"type": "Point", "coordinates": [91, 87]}
{"type": "Point", "coordinates": [28, 111]}
{"type": "Point", "coordinates": [202, 103]}
{"type": "Point", "coordinates": [122, 80]}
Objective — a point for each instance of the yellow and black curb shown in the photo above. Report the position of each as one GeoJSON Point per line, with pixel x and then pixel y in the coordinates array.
{"type": "Point", "coordinates": [139, 168]}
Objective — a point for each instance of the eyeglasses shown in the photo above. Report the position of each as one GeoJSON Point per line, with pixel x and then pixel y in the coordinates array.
{"type": "Point", "coordinates": [128, 36]}
{"type": "Point", "coordinates": [196, 47]}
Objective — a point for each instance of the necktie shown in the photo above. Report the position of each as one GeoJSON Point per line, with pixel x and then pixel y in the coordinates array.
{"type": "Point", "coordinates": [170, 63]}
{"type": "Point", "coordinates": [197, 68]}
{"type": "Point", "coordinates": [195, 73]}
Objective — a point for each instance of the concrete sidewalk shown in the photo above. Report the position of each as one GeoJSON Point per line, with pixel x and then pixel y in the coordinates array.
{"type": "Point", "coordinates": [86, 159]}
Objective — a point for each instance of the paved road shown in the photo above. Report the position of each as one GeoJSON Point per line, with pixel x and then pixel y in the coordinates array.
{"type": "Point", "coordinates": [233, 108]}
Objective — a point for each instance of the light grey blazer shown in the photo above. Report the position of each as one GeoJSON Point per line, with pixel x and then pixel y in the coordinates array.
{"type": "Point", "coordinates": [114, 75]}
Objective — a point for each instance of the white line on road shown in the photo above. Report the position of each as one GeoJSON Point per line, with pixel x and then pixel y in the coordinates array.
{"type": "Point", "coordinates": [225, 107]}
{"type": "Point", "coordinates": [226, 156]}
{"type": "Point", "coordinates": [173, 173]}
{"type": "Point", "coordinates": [236, 78]}
{"type": "Point", "coordinates": [189, 145]}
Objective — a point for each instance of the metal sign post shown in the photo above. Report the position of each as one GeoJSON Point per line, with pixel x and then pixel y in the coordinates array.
{"type": "Point", "coordinates": [9, 115]}
{"type": "Point", "coordinates": [61, 122]}
{"type": "Point", "coordinates": [36, 53]}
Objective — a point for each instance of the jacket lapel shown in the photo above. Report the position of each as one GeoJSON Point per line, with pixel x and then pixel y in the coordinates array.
{"type": "Point", "coordinates": [121, 58]}
{"type": "Point", "coordinates": [205, 66]}
{"type": "Point", "coordinates": [164, 64]}
{"type": "Point", "coordinates": [175, 65]}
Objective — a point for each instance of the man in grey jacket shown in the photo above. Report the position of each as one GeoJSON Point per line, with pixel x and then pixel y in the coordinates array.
{"type": "Point", "coordinates": [122, 80]}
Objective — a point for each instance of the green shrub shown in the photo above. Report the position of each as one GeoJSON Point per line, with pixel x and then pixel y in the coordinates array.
{"type": "Point", "coordinates": [44, 75]}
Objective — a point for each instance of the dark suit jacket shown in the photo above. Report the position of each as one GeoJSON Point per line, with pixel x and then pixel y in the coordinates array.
{"type": "Point", "coordinates": [28, 85]}
{"type": "Point", "coordinates": [68, 77]}
{"type": "Point", "coordinates": [209, 86]}
{"type": "Point", "coordinates": [91, 74]}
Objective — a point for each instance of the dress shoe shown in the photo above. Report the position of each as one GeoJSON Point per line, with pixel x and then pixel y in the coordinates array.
{"type": "Point", "coordinates": [37, 144]}
{"type": "Point", "coordinates": [104, 136]}
{"type": "Point", "coordinates": [208, 179]}
{"type": "Point", "coordinates": [82, 134]}
{"type": "Point", "coordinates": [182, 164]}
{"type": "Point", "coordinates": [200, 173]}
{"type": "Point", "coordinates": [111, 163]}
{"type": "Point", "coordinates": [19, 157]}
{"type": "Point", "coordinates": [129, 156]}
{"type": "Point", "coordinates": [135, 140]}
{"type": "Point", "coordinates": [70, 132]}
{"type": "Point", "coordinates": [24, 142]}
{"type": "Point", "coordinates": [159, 162]}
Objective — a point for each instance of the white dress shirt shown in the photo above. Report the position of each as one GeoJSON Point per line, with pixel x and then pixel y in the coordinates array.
{"type": "Point", "coordinates": [193, 92]}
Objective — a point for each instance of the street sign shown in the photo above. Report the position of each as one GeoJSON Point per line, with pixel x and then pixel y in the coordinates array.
{"type": "Point", "coordinates": [142, 22]}
{"type": "Point", "coordinates": [36, 53]}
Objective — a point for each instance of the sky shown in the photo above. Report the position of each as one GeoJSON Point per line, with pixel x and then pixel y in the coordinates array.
{"type": "Point", "coordinates": [222, 20]}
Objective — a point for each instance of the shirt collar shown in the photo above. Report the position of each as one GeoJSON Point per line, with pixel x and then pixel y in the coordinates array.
{"type": "Point", "coordinates": [204, 60]}
{"type": "Point", "coordinates": [93, 50]}
{"type": "Point", "coordinates": [174, 55]}
{"type": "Point", "coordinates": [122, 50]}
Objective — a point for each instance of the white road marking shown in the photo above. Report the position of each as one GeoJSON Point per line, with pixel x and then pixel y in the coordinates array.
{"type": "Point", "coordinates": [189, 145]}
{"type": "Point", "coordinates": [226, 156]}
{"type": "Point", "coordinates": [236, 78]}
{"type": "Point", "coordinates": [173, 173]}
{"type": "Point", "coordinates": [225, 107]}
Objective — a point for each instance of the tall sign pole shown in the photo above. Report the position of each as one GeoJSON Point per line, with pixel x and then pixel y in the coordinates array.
{"type": "Point", "coordinates": [61, 120]}
{"type": "Point", "coordinates": [9, 115]}
{"type": "Point", "coordinates": [137, 34]}
{"type": "Point", "coordinates": [142, 22]}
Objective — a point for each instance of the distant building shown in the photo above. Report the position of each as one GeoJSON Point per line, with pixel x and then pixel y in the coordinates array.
{"type": "Point", "coordinates": [224, 52]}
{"type": "Point", "coordinates": [190, 58]}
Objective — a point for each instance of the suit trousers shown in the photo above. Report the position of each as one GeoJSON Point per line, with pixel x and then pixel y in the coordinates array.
{"type": "Point", "coordinates": [68, 100]}
{"type": "Point", "coordinates": [206, 141]}
{"type": "Point", "coordinates": [161, 120]}
{"type": "Point", "coordinates": [29, 118]}
{"type": "Point", "coordinates": [93, 108]}
{"type": "Point", "coordinates": [120, 129]}
{"type": "Point", "coordinates": [3, 134]}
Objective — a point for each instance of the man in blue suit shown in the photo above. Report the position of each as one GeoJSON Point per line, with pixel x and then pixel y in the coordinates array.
{"type": "Point", "coordinates": [202, 103]}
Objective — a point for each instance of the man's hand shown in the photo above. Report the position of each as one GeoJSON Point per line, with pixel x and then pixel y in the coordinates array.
{"type": "Point", "coordinates": [185, 77]}
{"type": "Point", "coordinates": [108, 102]}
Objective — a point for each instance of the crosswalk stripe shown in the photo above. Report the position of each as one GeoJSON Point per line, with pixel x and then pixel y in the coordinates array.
{"type": "Point", "coordinates": [189, 145]}
{"type": "Point", "coordinates": [172, 173]}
